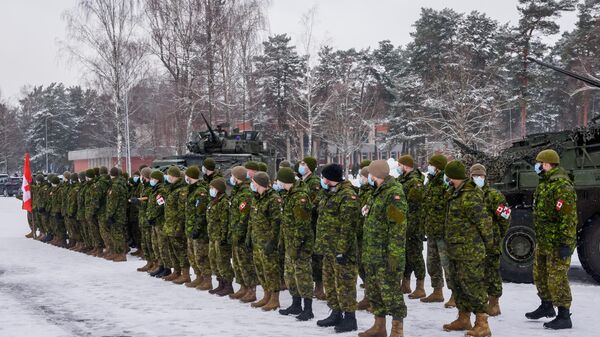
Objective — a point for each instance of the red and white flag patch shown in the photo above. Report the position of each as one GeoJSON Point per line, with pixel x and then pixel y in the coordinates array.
{"type": "Point", "coordinates": [160, 200]}
{"type": "Point", "coordinates": [559, 204]}
{"type": "Point", "coordinates": [365, 210]}
{"type": "Point", "coordinates": [503, 211]}
{"type": "Point", "coordinates": [243, 205]}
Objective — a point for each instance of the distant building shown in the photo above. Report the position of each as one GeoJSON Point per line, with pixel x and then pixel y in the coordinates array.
{"type": "Point", "coordinates": [106, 156]}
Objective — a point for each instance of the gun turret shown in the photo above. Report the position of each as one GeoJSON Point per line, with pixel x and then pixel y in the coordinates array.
{"type": "Point", "coordinates": [215, 139]}
{"type": "Point", "coordinates": [587, 80]}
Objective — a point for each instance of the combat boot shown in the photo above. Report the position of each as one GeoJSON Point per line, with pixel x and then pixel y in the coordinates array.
{"type": "Point", "coordinates": [263, 301]}
{"type": "Point", "coordinates": [250, 295]}
{"type": "Point", "coordinates": [419, 291]}
{"type": "Point", "coordinates": [218, 288]}
{"type": "Point", "coordinates": [294, 309]}
{"type": "Point", "coordinates": [364, 304]}
{"type": "Point", "coordinates": [146, 267]}
{"type": "Point", "coordinates": [451, 302]}
{"type": "Point", "coordinates": [193, 284]}
{"type": "Point", "coordinates": [435, 297]}
{"type": "Point", "coordinates": [562, 320]}
{"type": "Point", "coordinates": [138, 253]}
{"type": "Point", "coordinates": [205, 284]}
{"type": "Point", "coordinates": [481, 328]}
{"type": "Point", "coordinates": [273, 303]}
{"type": "Point", "coordinates": [307, 312]}
{"type": "Point", "coordinates": [347, 324]}
{"type": "Point", "coordinates": [240, 293]}
{"type": "Point", "coordinates": [119, 258]}
{"type": "Point", "coordinates": [319, 293]}
{"type": "Point", "coordinates": [406, 286]}
{"type": "Point", "coordinates": [173, 275]}
{"type": "Point", "coordinates": [493, 308]}
{"type": "Point", "coordinates": [185, 276]}
{"type": "Point", "coordinates": [377, 330]}
{"type": "Point", "coordinates": [164, 273]}
{"type": "Point", "coordinates": [29, 235]}
{"type": "Point", "coordinates": [462, 323]}
{"type": "Point", "coordinates": [227, 289]}
{"type": "Point", "coordinates": [157, 269]}
{"type": "Point", "coordinates": [334, 319]}
{"type": "Point", "coordinates": [397, 328]}
{"type": "Point", "coordinates": [546, 309]}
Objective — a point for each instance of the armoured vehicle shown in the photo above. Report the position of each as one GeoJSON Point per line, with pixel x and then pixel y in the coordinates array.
{"type": "Point", "coordinates": [513, 173]}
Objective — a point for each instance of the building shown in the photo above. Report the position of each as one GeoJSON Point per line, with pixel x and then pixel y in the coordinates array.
{"type": "Point", "coordinates": [106, 156]}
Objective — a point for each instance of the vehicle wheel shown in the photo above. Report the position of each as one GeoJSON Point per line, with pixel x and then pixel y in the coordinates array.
{"type": "Point", "coordinates": [516, 263]}
{"type": "Point", "coordinates": [5, 193]}
{"type": "Point", "coordinates": [588, 248]}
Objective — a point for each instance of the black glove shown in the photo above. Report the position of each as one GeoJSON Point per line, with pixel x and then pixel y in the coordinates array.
{"type": "Point", "coordinates": [58, 216]}
{"type": "Point", "coordinates": [42, 210]}
{"type": "Point", "coordinates": [151, 222]}
{"type": "Point", "coordinates": [195, 234]}
{"type": "Point", "coordinates": [110, 221]}
{"type": "Point", "coordinates": [248, 242]}
{"type": "Point", "coordinates": [134, 201]}
{"type": "Point", "coordinates": [270, 247]}
{"type": "Point", "coordinates": [564, 252]}
{"type": "Point", "coordinates": [341, 259]}
{"type": "Point", "coordinates": [424, 238]}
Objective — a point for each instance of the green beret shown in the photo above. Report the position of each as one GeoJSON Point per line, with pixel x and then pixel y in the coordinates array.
{"type": "Point", "coordinates": [174, 171]}
{"type": "Point", "coordinates": [209, 163]}
{"type": "Point", "coordinates": [262, 178]}
{"type": "Point", "coordinates": [364, 163]}
{"type": "Point", "coordinates": [262, 167]}
{"type": "Point", "coordinates": [548, 156]}
{"type": "Point", "coordinates": [39, 178]}
{"type": "Point", "coordinates": [193, 172]}
{"type": "Point", "coordinates": [407, 160]}
{"type": "Point", "coordinates": [158, 175]}
{"type": "Point", "coordinates": [83, 175]}
{"type": "Point", "coordinates": [54, 180]}
{"type": "Point", "coordinates": [90, 173]}
{"type": "Point", "coordinates": [456, 170]}
{"type": "Point", "coordinates": [311, 162]}
{"type": "Point", "coordinates": [74, 177]}
{"type": "Point", "coordinates": [114, 172]}
{"type": "Point", "coordinates": [219, 184]}
{"type": "Point", "coordinates": [146, 171]}
{"type": "Point", "coordinates": [103, 170]}
{"type": "Point", "coordinates": [96, 171]}
{"type": "Point", "coordinates": [251, 165]}
{"type": "Point", "coordinates": [439, 161]}
{"type": "Point", "coordinates": [285, 163]}
{"type": "Point", "coordinates": [286, 175]}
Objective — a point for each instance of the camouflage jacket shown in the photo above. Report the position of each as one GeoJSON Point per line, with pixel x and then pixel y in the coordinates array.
{"type": "Point", "coordinates": [296, 227]}
{"type": "Point", "coordinates": [175, 209]}
{"type": "Point", "coordinates": [240, 202]}
{"type": "Point", "coordinates": [34, 190]}
{"type": "Point", "coordinates": [55, 200]}
{"type": "Point", "coordinates": [468, 230]}
{"type": "Point", "coordinates": [434, 206]}
{"type": "Point", "coordinates": [116, 202]}
{"type": "Point", "coordinates": [384, 236]}
{"type": "Point", "coordinates": [144, 192]}
{"type": "Point", "coordinates": [217, 218]}
{"type": "Point", "coordinates": [497, 207]}
{"type": "Point", "coordinates": [72, 200]}
{"type": "Point", "coordinates": [101, 186]}
{"type": "Point", "coordinates": [208, 178]}
{"type": "Point", "coordinates": [83, 190]}
{"type": "Point", "coordinates": [44, 193]}
{"type": "Point", "coordinates": [265, 219]}
{"type": "Point", "coordinates": [555, 210]}
{"type": "Point", "coordinates": [155, 206]}
{"type": "Point", "coordinates": [64, 190]}
{"type": "Point", "coordinates": [412, 184]}
{"type": "Point", "coordinates": [91, 200]}
{"type": "Point", "coordinates": [134, 191]}
{"type": "Point", "coordinates": [339, 215]}
{"type": "Point", "coordinates": [313, 185]}
{"type": "Point", "coordinates": [365, 193]}
{"type": "Point", "coordinates": [195, 211]}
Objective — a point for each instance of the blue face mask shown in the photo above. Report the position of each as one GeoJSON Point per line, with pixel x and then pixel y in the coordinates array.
{"type": "Point", "coordinates": [479, 181]}
{"type": "Point", "coordinates": [302, 169]}
{"type": "Point", "coordinates": [538, 168]}
{"type": "Point", "coordinates": [277, 187]}
{"type": "Point", "coordinates": [153, 182]}
{"type": "Point", "coordinates": [213, 193]}
{"type": "Point", "coordinates": [446, 180]}
{"type": "Point", "coordinates": [247, 175]}
{"type": "Point", "coordinates": [399, 170]}
{"type": "Point", "coordinates": [166, 178]}
{"type": "Point", "coordinates": [136, 179]}
{"type": "Point", "coordinates": [370, 179]}
{"type": "Point", "coordinates": [323, 185]}
{"type": "Point", "coordinates": [253, 187]}
{"type": "Point", "coordinates": [431, 170]}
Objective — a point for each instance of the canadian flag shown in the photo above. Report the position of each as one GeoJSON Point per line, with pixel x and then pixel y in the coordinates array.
{"type": "Point", "coordinates": [26, 186]}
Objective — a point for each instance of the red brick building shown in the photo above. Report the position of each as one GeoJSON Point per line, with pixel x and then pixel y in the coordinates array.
{"type": "Point", "coordinates": [84, 159]}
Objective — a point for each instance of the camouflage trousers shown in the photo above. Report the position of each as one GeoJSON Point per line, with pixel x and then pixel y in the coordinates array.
{"type": "Point", "coordinates": [298, 275]}
{"type": "Point", "coordinates": [58, 226]}
{"type": "Point", "coordinates": [339, 282]}
{"type": "Point", "coordinates": [317, 268]}
{"type": "Point", "coordinates": [134, 233]}
{"type": "Point", "coordinates": [550, 277]}
{"type": "Point", "coordinates": [94, 229]}
{"type": "Point", "coordinates": [118, 238]}
{"type": "Point", "coordinates": [160, 245]}
{"type": "Point", "coordinates": [243, 266]}
{"type": "Point", "coordinates": [267, 266]}
{"type": "Point", "coordinates": [198, 257]}
{"type": "Point", "coordinates": [83, 231]}
{"type": "Point", "coordinates": [220, 260]}
{"type": "Point", "coordinates": [146, 243]}
{"type": "Point", "coordinates": [178, 252]}
{"type": "Point", "coordinates": [105, 233]}
{"type": "Point", "coordinates": [414, 257]}
{"type": "Point", "coordinates": [437, 263]}
{"type": "Point", "coordinates": [37, 221]}
{"type": "Point", "coordinates": [385, 291]}
{"type": "Point", "coordinates": [492, 274]}
{"type": "Point", "coordinates": [469, 286]}
{"type": "Point", "coordinates": [72, 229]}
{"type": "Point", "coordinates": [45, 221]}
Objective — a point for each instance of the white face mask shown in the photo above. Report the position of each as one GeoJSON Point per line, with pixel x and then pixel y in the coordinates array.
{"type": "Point", "coordinates": [232, 181]}
{"type": "Point", "coordinates": [203, 169]}
{"type": "Point", "coordinates": [213, 192]}
{"type": "Point", "coordinates": [431, 170]}
{"type": "Point", "coordinates": [479, 181]}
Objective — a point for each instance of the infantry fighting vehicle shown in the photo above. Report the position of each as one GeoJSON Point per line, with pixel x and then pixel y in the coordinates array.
{"type": "Point", "coordinates": [513, 174]}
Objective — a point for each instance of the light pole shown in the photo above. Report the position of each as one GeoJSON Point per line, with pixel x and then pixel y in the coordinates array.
{"type": "Point", "coordinates": [46, 149]}
{"type": "Point", "coordinates": [127, 141]}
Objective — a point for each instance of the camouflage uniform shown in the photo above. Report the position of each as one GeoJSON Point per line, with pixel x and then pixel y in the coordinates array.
{"type": "Point", "coordinates": [102, 186]}
{"type": "Point", "coordinates": [365, 193]}
{"type": "Point", "coordinates": [412, 184]}
{"type": "Point", "coordinates": [36, 205]}
{"type": "Point", "coordinates": [555, 222]}
{"type": "Point", "coordinates": [44, 207]}
{"type": "Point", "coordinates": [497, 208]}
{"type": "Point", "coordinates": [174, 226]}
{"type": "Point", "coordinates": [133, 213]}
{"type": "Point", "coordinates": [469, 234]}
{"type": "Point", "coordinates": [384, 253]}
{"type": "Point", "coordinates": [298, 239]}
{"type": "Point", "coordinates": [208, 178]}
{"type": "Point", "coordinates": [336, 234]}
{"type": "Point", "coordinates": [219, 250]}
{"type": "Point", "coordinates": [73, 226]}
{"type": "Point", "coordinates": [81, 221]}
{"type": "Point", "coordinates": [313, 184]}
{"type": "Point", "coordinates": [56, 218]}
{"type": "Point", "coordinates": [195, 229]}
{"type": "Point", "coordinates": [155, 218]}
{"type": "Point", "coordinates": [92, 207]}
{"type": "Point", "coordinates": [240, 202]}
{"type": "Point", "coordinates": [433, 216]}
{"type": "Point", "coordinates": [146, 230]}
{"type": "Point", "coordinates": [115, 216]}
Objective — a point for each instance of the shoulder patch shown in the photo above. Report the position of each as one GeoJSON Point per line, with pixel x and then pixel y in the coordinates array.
{"type": "Point", "coordinates": [503, 211]}
{"type": "Point", "coordinates": [160, 200]}
{"type": "Point", "coordinates": [559, 205]}
{"type": "Point", "coordinates": [243, 205]}
{"type": "Point", "coordinates": [365, 210]}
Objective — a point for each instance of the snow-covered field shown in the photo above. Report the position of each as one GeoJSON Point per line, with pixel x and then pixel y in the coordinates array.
{"type": "Point", "coordinates": [48, 291]}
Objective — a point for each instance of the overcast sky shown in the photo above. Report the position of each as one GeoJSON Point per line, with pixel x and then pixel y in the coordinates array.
{"type": "Point", "coordinates": [30, 31]}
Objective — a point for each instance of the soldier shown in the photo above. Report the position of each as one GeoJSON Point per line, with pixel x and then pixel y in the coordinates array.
{"type": "Point", "coordinates": [174, 226]}
{"type": "Point", "coordinates": [433, 216]}
{"type": "Point", "coordinates": [116, 216]}
{"type": "Point", "coordinates": [240, 202]}
{"type": "Point", "coordinates": [468, 234]}
{"type": "Point", "coordinates": [135, 187]}
{"type": "Point", "coordinates": [285, 163]}
{"type": "Point", "coordinates": [252, 167]}
{"type": "Point", "coordinates": [555, 223]}
{"type": "Point", "coordinates": [385, 226]}
{"type": "Point", "coordinates": [91, 212]}
{"type": "Point", "coordinates": [86, 242]}
{"type": "Point", "coordinates": [155, 218]}
{"type": "Point", "coordinates": [56, 216]}
{"type": "Point", "coordinates": [498, 209]}
{"type": "Point", "coordinates": [336, 242]}
{"type": "Point", "coordinates": [306, 169]}
{"type": "Point", "coordinates": [298, 239]}
{"type": "Point", "coordinates": [44, 210]}
{"type": "Point", "coordinates": [262, 167]}
{"type": "Point", "coordinates": [263, 236]}
{"type": "Point", "coordinates": [365, 192]}
{"type": "Point", "coordinates": [195, 229]}
{"type": "Point", "coordinates": [36, 204]}
{"type": "Point", "coordinates": [73, 227]}
{"type": "Point", "coordinates": [209, 169]}
{"type": "Point", "coordinates": [141, 201]}
{"type": "Point", "coordinates": [219, 250]}
{"type": "Point", "coordinates": [101, 187]}
{"type": "Point", "coordinates": [412, 183]}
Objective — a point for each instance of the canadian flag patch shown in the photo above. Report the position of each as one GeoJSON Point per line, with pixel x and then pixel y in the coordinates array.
{"type": "Point", "coordinates": [559, 204]}
{"type": "Point", "coordinates": [503, 211]}
{"type": "Point", "coordinates": [365, 210]}
{"type": "Point", "coordinates": [243, 205]}
{"type": "Point", "coordinates": [160, 200]}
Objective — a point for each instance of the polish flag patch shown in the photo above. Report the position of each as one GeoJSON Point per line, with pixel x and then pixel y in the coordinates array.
{"type": "Point", "coordinates": [160, 200]}
{"type": "Point", "coordinates": [503, 211]}
{"type": "Point", "coordinates": [559, 204]}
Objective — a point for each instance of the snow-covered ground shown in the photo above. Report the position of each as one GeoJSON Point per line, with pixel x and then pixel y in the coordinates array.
{"type": "Point", "coordinates": [48, 291]}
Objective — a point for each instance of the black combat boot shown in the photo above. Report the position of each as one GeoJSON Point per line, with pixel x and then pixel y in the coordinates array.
{"type": "Point", "coordinates": [160, 270]}
{"type": "Point", "coordinates": [334, 318]}
{"type": "Point", "coordinates": [562, 321]}
{"type": "Point", "coordinates": [307, 313]}
{"type": "Point", "coordinates": [544, 310]}
{"type": "Point", "coordinates": [347, 324]}
{"type": "Point", "coordinates": [164, 273]}
{"type": "Point", "coordinates": [294, 309]}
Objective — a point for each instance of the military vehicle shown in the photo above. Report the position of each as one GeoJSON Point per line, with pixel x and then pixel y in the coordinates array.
{"type": "Point", "coordinates": [513, 174]}
{"type": "Point", "coordinates": [227, 150]}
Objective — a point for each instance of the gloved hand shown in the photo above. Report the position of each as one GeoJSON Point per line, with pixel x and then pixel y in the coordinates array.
{"type": "Point", "coordinates": [341, 259]}
{"type": "Point", "coordinates": [564, 252]}
{"type": "Point", "coordinates": [151, 222]}
{"type": "Point", "coordinates": [195, 234]}
{"type": "Point", "coordinates": [424, 238]}
{"type": "Point", "coordinates": [270, 247]}
{"type": "Point", "coordinates": [110, 221]}
{"type": "Point", "coordinates": [393, 263]}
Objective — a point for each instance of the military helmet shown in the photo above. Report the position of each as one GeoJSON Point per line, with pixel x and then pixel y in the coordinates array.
{"type": "Point", "coordinates": [548, 156]}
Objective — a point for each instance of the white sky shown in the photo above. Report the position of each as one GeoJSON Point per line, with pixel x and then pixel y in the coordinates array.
{"type": "Point", "coordinates": [31, 29]}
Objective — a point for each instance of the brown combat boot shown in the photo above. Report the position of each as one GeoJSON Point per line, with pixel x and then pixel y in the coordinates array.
{"type": "Point", "coordinates": [319, 293]}
{"type": "Point", "coordinates": [493, 308]}
{"type": "Point", "coordinates": [155, 268]}
{"type": "Point", "coordinates": [419, 291]}
{"type": "Point", "coordinates": [146, 267]}
{"type": "Point", "coordinates": [29, 235]}
{"type": "Point", "coordinates": [138, 253]}
{"type": "Point", "coordinates": [451, 302]}
{"type": "Point", "coordinates": [205, 284]}
{"type": "Point", "coordinates": [218, 288]}
{"type": "Point", "coordinates": [406, 286]}
{"type": "Point", "coordinates": [184, 278]}
{"type": "Point", "coordinates": [240, 293]}
{"type": "Point", "coordinates": [364, 304]}
{"type": "Point", "coordinates": [436, 296]}
{"type": "Point", "coordinates": [462, 323]}
{"type": "Point", "coordinates": [173, 275]}
{"type": "Point", "coordinates": [193, 284]}
{"type": "Point", "coordinates": [377, 330]}
{"type": "Point", "coordinates": [227, 289]}
{"type": "Point", "coordinates": [397, 328]}
{"type": "Point", "coordinates": [273, 303]}
{"type": "Point", "coordinates": [119, 258]}
{"type": "Point", "coordinates": [263, 301]}
{"type": "Point", "coordinates": [481, 328]}
{"type": "Point", "coordinates": [250, 295]}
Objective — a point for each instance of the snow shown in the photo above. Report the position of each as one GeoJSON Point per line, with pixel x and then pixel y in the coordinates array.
{"type": "Point", "coordinates": [48, 291]}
